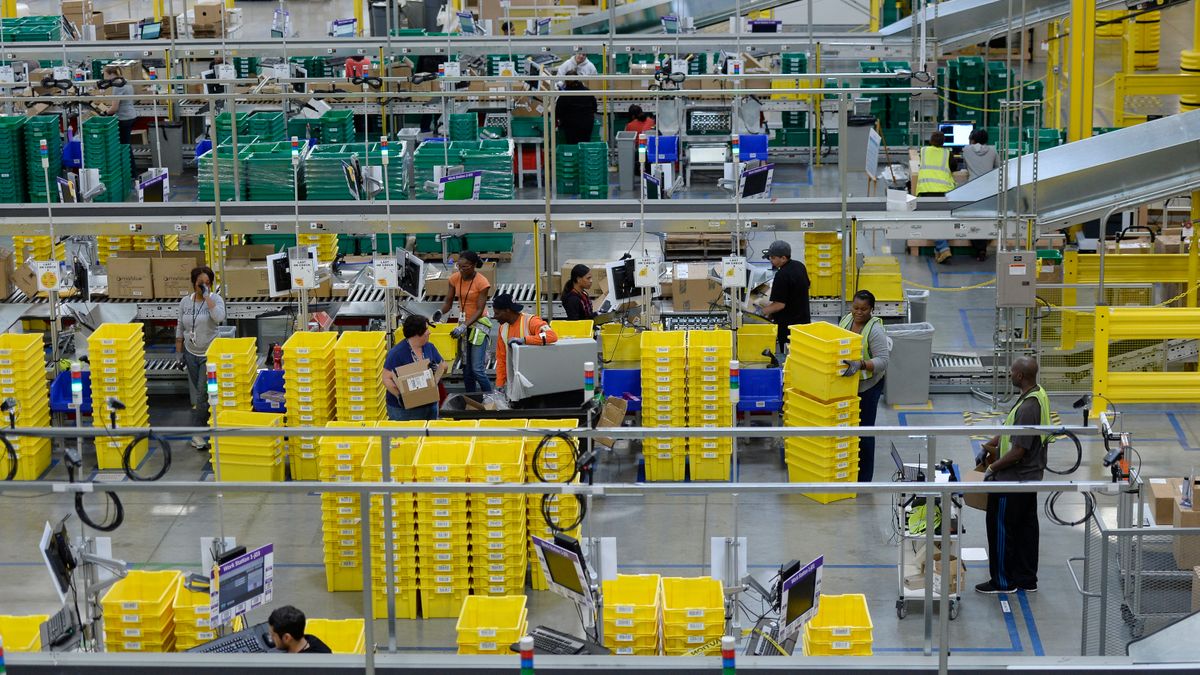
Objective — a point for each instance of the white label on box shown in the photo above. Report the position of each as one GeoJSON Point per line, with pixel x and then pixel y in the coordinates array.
{"type": "Point", "coordinates": [624, 623]}
{"type": "Point", "coordinates": [840, 631]}
{"type": "Point", "coordinates": [695, 639]}
{"type": "Point", "coordinates": [487, 632]}
{"type": "Point", "coordinates": [695, 613]}
{"type": "Point", "coordinates": [695, 626]}
{"type": "Point", "coordinates": [840, 645]}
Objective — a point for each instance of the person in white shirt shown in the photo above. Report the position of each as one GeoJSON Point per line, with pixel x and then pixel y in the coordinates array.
{"type": "Point", "coordinates": [577, 65]}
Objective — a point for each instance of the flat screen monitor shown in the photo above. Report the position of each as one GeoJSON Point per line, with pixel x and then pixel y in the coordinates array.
{"type": "Point", "coordinates": [279, 269]}
{"type": "Point", "coordinates": [343, 28]}
{"type": "Point", "coordinates": [56, 552]}
{"type": "Point", "coordinates": [622, 280]}
{"type": "Point", "coordinates": [802, 596]}
{"type": "Point", "coordinates": [151, 31]}
{"type": "Point", "coordinates": [564, 571]}
{"type": "Point", "coordinates": [756, 182]}
{"type": "Point", "coordinates": [958, 134]}
{"type": "Point", "coordinates": [459, 186]}
{"type": "Point", "coordinates": [411, 274]}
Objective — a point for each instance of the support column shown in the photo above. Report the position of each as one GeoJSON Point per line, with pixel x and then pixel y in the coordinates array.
{"type": "Point", "coordinates": [1081, 69]}
{"type": "Point", "coordinates": [1194, 246]}
{"type": "Point", "coordinates": [8, 9]}
{"type": "Point", "coordinates": [358, 20]}
{"type": "Point", "coordinates": [159, 13]}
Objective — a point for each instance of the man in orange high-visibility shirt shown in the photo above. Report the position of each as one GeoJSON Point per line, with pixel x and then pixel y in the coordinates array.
{"type": "Point", "coordinates": [516, 327]}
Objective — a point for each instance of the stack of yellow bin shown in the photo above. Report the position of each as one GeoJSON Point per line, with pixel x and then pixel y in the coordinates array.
{"type": "Point", "coordinates": [443, 523]}
{"type": "Point", "coordinates": [107, 245]}
{"type": "Point", "coordinates": [237, 366]}
{"type": "Point", "coordinates": [499, 530]}
{"type": "Point", "coordinates": [250, 459]}
{"type": "Point", "coordinates": [842, 627]}
{"type": "Point", "coordinates": [632, 608]}
{"type": "Point", "coordinates": [193, 623]}
{"type": "Point", "coordinates": [36, 247]}
{"type": "Point", "coordinates": [118, 357]}
{"type": "Point", "coordinates": [326, 244]}
{"type": "Point", "coordinates": [879, 274]}
{"type": "Point", "coordinates": [664, 402]}
{"type": "Point", "coordinates": [310, 394]}
{"type": "Point", "coordinates": [823, 259]}
{"type": "Point", "coordinates": [341, 460]}
{"type": "Point", "coordinates": [359, 357]}
{"type": "Point", "coordinates": [554, 464]}
{"type": "Point", "coordinates": [139, 612]}
{"type": "Point", "coordinates": [23, 379]}
{"type": "Point", "coordinates": [708, 404]}
{"type": "Point", "coordinates": [490, 625]}
{"type": "Point", "coordinates": [693, 615]}
{"type": "Point", "coordinates": [816, 394]}
{"type": "Point", "coordinates": [405, 572]}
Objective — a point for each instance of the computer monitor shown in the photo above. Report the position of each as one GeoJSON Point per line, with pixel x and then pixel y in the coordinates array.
{"type": "Point", "coordinates": [564, 570]}
{"type": "Point", "coordinates": [279, 271]}
{"type": "Point", "coordinates": [459, 186]}
{"type": "Point", "coordinates": [756, 182]}
{"type": "Point", "coordinates": [621, 280]}
{"type": "Point", "coordinates": [343, 28]}
{"type": "Point", "coordinates": [56, 552]}
{"type": "Point", "coordinates": [801, 596]}
{"type": "Point", "coordinates": [765, 26]}
{"type": "Point", "coordinates": [958, 134]}
{"type": "Point", "coordinates": [241, 584]}
{"type": "Point", "coordinates": [411, 273]}
{"type": "Point", "coordinates": [670, 24]}
{"type": "Point", "coordinates": [466, 23]}
{"type": "Point", "coordinates": [151, 30]}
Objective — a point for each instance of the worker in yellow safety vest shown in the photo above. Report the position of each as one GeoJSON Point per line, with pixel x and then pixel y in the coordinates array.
{"type": "Point", "coordinates": [935, 180]}
{"type": "Point", "coordinates": [1012, 517]}
{"type": "Point", "coordinates": [870, 368]}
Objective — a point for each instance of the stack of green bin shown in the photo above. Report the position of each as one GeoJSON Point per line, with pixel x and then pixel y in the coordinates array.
{"type": "Point", "coordinates": [12, 159]}
{"type": "Point", "coordinates": [495, 159]}
{"type": "Point", "coordinates": [245, 66]}
{"type": "Point", "coordinates": [494, 61]}
{"type": "Point", "coordinates": [103, 150]}
{"type": "Point", "coordinates": [428, 155]}
{"type": "Point", "coordinates": [225, 127]}
{"type": "Point", "coordinates": [267, 126]}
{"type": "Point", "coordinates": [593, 170]}
{"type": "Point", "coordinates": [336, 126]}
{"type": "Point", "coordinates": [566, 168]}
{"type": "Point", "coordinates": [31, 29]}
{"type": "Point", "coordinates": [205, 190]}
{"type": "Point", "coordinates": [325, 175]}
{"type": "Point", "coordinates": [269, 174]}
{"type": "Point", "coordinates": [967, 78]}
{"type": "Point", "coordinates": [314, 66]}
{"type": "Point", "coordinates": [464, 127]}
{"type": "Point", "coordinates": [42, 128]}
{"type": "Point", "coordinates": [303, 128]}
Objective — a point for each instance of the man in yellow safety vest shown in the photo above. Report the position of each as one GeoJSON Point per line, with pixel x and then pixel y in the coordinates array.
{"type": "Point", "coordinates": [1012, 518]}
{"type": "Point", "coordinates": [935, 180]}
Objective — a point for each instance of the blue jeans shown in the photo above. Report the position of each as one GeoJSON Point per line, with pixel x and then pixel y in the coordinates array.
{"type": "Point", "coordinates": [424, 412]}
{"type": "Point", "coordinates": [868, 405]}
{"type": "Point", "coordinates": [475, 367]}
{"type": "Point", "coordinates": [197, 376]}
{"type": "Point", "coordinates": [941, 245]}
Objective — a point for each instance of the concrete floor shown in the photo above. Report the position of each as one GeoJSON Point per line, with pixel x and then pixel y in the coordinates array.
{"type": "Point", "coordinates": [661, 533]}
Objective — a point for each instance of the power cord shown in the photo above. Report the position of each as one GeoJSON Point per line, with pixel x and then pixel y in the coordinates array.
{"type": "Point", "coordinates": [578, 461]}
{"type": "Point", "coordinates": [127, 457]}
{"type": "Point", "coordinates": [12, 457]}
{"type": "Point", "coordinates": [118, 509]}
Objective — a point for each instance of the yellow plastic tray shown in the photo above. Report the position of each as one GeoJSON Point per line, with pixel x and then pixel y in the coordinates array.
{"type": "Point", "coordinates": [752, 339]}
{"type": "Point", "coordinates": [633, 597]}
{"type": "Point", "coordinates": [689, 600]}
{"type": "Point", "coordinates": [491, 619]}
{"type": "Point", "coordinates": [142, 593]}
{"type": "Point", "coordinates": [22, 633]}
{"type": "Point", "coordinates": [344, 636]}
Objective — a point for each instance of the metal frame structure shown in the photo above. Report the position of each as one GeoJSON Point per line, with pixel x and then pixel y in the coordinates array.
{"type": "Point", "coordinates": [1143, 323]}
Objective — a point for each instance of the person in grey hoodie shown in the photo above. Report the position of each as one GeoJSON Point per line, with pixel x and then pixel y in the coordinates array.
{"type": "Point", "coordinates": [980, 159]}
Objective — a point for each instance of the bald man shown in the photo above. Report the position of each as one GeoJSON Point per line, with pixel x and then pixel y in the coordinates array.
{"type": "Point", "coordinates": [1012, 518]}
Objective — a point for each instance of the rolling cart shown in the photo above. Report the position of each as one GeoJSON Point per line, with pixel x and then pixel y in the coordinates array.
{"type": "Point", "coordinates": [908, 541]}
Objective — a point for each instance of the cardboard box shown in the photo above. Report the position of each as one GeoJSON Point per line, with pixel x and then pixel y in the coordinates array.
{"type": "Point", "coordinates": [1186, 548]}
{"type": "Point", "coordinates": [417, 384]}
{"type": "Point", "coordinates": [8, 273]}
{"type": "Point", "coordinates": [120, 29]}
{"type": "Point", "coordinates": [957, 572]}
{"type": "Point", "coordinates": [612, 415]}
{"type": "Point", "coordinates": [599, 276]}
{"type": "Point", "coordinates": [172, 271]}
{"type": "Point", "coordinates": [130, 277]}
{"type": "Point", "coordinates": [26, 280]}
{"type": "Point", "coordinates": [1163, 493]}
{"type": "Point", "coordinates": [437, 279]}
{"type": "Point", "coordinates": [1196, 589]}
{"type": "Point", "coordinates": [975, 500]}
{"type": "Point", "coordinates": [484, 402]}
{"type": "Point", "coordinates": [694, 289]}
{"type": "Point", "coordinates": [208, 13]}
{"type": "Point", "coordinates": [245, 279]}
{"type": "Point", "coordinates": [527, 106]}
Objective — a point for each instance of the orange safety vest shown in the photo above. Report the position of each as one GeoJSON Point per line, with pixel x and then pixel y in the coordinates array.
{"type": "Point", "coordinates": [528, 326]}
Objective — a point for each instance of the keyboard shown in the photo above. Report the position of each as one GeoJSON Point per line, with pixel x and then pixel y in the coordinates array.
{"type": "Point", "coordinates": [253, 640]}
{"type": "Point", "coordinates": [59, 629]}
{"type": "Point", "coordinates": [549, 641]}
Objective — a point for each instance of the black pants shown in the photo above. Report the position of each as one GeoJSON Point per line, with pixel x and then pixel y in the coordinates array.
{"type": "Point", "coordinates": [868, 406]}
{"type": "Point", "coordinates": [1012, 532]}
{"type": "Point", "coordinates": [125, 130]}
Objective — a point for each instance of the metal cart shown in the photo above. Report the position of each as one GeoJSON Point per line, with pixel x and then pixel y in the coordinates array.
{"type": "Point", "coordinates": [908, 538]}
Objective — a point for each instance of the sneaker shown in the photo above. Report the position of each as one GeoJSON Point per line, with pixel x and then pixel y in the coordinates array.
{"type": "Point", "coordinates": [988, 589]}
{"type": "Point", "coordinates": [1028, 589]}
{"type": "Point", "coordinates": [942, 256]}
{"type": "Point", "coordinates": [198, 443]}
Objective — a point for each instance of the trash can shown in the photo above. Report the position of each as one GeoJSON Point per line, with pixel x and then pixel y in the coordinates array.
{"type": "Point", "coordinates": [858, 130]}
{"type": "Point", "coordinates": [907, 380]}
{"type": "Point", "coordinates": [166, 146]}
{"type": "Point", "coordinates": [379, 21]}
{"type": "Point", "coordinates": [918, 304]}
{"type": "Point", "coordinates": [627, 159]}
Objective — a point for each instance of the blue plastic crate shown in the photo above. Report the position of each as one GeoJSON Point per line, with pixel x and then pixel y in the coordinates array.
{"type": "Point", "coordinates": [622, 381]}
{"type": "Point", "coordinates": [60, 393]}
{"type": "Point", "coordinates": [761, 390]}
{"type": "Point", "coordinates": [267, 380]}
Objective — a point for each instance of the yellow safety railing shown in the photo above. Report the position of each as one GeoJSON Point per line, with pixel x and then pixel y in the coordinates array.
{"type": "Point", "coordinates": [1143, 323]}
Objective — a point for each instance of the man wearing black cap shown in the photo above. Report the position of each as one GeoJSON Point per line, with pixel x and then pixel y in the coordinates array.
{"type": "Point", "coordinates": [789, 290]}
{"type": "Point", "coordinates": [516, 327]}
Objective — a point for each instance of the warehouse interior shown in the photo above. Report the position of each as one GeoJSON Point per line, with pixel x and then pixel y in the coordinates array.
{"type": "Point", "coordinates": [232, 233]}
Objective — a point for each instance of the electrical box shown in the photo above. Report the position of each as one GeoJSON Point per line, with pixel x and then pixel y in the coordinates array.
{"type": "Point", "coordinates": [1016, 279]}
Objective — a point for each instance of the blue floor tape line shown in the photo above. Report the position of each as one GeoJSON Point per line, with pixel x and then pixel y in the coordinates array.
{"type": "Point", "coordinates": [1035, 639]}
{"type": "Point", "coordinates": [1179, 432]}
{"type": "Point", "coordinates": [1010, 622]}
{"type": "Point", "coordinates": [966, 322]}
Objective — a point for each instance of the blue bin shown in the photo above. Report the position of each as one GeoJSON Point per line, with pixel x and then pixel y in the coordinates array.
{"type": "Point", "coordinates": [267, 380]}
{"type": "Point", "coordinates": [622, 381]}
{"type": "Point", "coordinates": [761, 390]}
{"type": "Point", "coordinates": [60, 393]}
{"type": "Point", "coordinates": [72, 154]}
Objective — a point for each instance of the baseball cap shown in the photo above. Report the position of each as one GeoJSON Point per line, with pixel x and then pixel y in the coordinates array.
{"type": "Point", "coordinates": [778, 248]}
{"type": "Point", "coordinates": [505, 301]}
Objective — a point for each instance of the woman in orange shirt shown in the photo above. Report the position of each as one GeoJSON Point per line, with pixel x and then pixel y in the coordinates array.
{"type": "Point", "coordinates": [471, 290]}
{"type": "Point", "coordinates": [642, 121]}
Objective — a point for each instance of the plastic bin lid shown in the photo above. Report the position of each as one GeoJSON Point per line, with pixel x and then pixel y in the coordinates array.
{"type": "Point", "coordinates": [916, 293]}
{"type": "Point", "coordinates": [860, 121]}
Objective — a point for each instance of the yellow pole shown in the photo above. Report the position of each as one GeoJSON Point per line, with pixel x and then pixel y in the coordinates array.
{"type": "Point", "coordinates": [158, 10]}
{"type": "Point", "coordinates": [876, 16]}
{"type": "Point", "coordinates": [228, 4]}
{"type": "Point", "coordinates": [1081, 66]}
{"type": "Point", "coordinates": [8, 9]}
{"type": "Point", "coordinates": [358, 17]}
